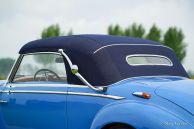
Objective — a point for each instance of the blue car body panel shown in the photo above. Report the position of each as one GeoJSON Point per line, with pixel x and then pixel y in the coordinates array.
{"type": "Point", "coordinates": [114, 88]}
{"type": "Point", "coordinates": [140, 115]}
{"type": "Point", "coordinates": [83, 109]}
{"type": "Point", "coordinates": [34, 110]}
{"type": "Point", "coordinates": [179, 92]}
{"type": "Point", "coordinates": [27, 110]}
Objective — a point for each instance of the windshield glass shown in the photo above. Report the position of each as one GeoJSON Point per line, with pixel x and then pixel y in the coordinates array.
{"type": "Point", "coordinates": [41, 67]}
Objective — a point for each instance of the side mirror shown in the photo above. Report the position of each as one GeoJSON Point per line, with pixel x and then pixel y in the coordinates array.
{"type": "Point", "coordinates": [74, 70]}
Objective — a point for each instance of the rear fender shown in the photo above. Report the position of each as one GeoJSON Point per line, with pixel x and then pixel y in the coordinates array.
{"type": "Point", "coordinates": [138, 115]}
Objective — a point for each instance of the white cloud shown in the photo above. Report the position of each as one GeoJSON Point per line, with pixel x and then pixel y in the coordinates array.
{"type": "Point", "coordinates": [22, 21]}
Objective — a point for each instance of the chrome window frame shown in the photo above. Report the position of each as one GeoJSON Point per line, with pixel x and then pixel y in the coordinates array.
{"type": "Point", "coordinates": [15, 69]}
{"type": "Point", "coordinates": [149, 55]}
{"type": "Point", "coordinates": [18, 62]}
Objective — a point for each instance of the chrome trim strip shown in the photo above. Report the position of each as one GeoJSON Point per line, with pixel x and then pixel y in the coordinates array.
{"type": "Point", "coordinates": [97, 95]}
{"type": "Point", "coordinates": [149, 55]}
{"type": "Point", "coordinates": [34, 53]}
{"type": "Point", "coordinates": [138, 94]}
{"type": "Point", "coordinates": [48, 85]}
{"type": "Point", "coordinates": [34, 92]}
{"type": "Point", "coordinates": [129, 45]}
{"type": "Point", "coordinates": [66, 93]}
{"type": "Point", "coordinates": [3, 101]}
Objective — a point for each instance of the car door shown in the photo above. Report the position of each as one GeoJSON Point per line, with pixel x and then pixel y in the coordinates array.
{"type": "Point", "coordinates": [2, 124]}
{"type": "Point", "coordinates": [34, 106]}
{"type": "Point", "coordinates": [83, 104]}
{"type": "Point", "coordinates": [37, 102]}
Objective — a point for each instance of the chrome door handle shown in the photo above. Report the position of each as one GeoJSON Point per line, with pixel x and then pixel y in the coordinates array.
{"type": "Point", "coordinates": [3, 101]}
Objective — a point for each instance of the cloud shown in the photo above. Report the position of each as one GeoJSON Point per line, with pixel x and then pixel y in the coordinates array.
{"type": "Point", "coordinates": [22, 21]}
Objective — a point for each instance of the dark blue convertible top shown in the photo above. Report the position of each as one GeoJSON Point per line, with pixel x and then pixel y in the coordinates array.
{"type": "Point", "coordinates": [88, 43]}
{"type": "Point", "coordinates": [102, 59]}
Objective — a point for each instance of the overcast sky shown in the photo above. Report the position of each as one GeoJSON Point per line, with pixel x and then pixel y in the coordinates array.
{"type": "Point", "coordinates": [23, 20]}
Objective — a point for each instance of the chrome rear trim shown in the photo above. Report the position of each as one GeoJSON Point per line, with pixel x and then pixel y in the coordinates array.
{"type": "Point", "coordinates": [128, 45]}
{"type": "Point", "coordinates": [34, 92]}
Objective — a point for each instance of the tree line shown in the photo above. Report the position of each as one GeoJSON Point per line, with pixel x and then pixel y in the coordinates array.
{"type": "Point", "coordinates": [173, 37]}
{"type": "Point", "coordinates": [5, 67]}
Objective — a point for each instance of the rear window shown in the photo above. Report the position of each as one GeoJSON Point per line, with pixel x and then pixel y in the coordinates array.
{"type": "Point", "coordinates": [136, 60]}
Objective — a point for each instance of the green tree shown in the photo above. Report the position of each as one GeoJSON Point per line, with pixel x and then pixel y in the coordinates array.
{"type": "Point", "coordinates": [5, 66]}
{"type": "Point", "coordinates": [115, 30]}
{"type": "Point", "coordinates": [54, 31]}
{"type": "Point", "coordinates": [154, 34]}
{"type": "Point", "coordinates": [173, 38]}
{"type": "Point", "coordinates": [137, 31]}
{"type": "Point", "coordinates": [51, 31]}
{"type": "Point", "coordinates": [132, 31]}
{"type": "Point", "coordinates": [127, 31]}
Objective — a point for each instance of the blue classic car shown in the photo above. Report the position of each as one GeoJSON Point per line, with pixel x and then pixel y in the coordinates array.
{"type": "Point", "coordinates": [96, 82]}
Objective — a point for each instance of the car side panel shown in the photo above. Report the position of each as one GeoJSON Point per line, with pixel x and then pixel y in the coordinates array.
{"type": "Point", "coordinates": [82, 109]}
{"type": "Point", "coordinates": [34, 107]}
